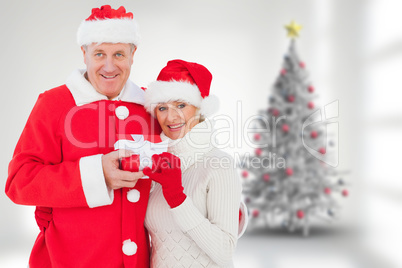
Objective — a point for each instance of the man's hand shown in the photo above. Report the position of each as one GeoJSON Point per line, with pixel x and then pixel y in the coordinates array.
{"type": "Point", "coordinates": [116, 178]}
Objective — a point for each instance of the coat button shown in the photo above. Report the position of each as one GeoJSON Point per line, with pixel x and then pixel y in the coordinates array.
{"type": "Point", "coordinates": [122, 112]}
{"type": "Point", "coordinates": [129, 247]}
{"type": "Point", "coordinates": [133, 195]}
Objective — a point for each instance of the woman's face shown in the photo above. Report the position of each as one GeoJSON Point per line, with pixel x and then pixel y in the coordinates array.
{"type": "Point", "coordinates": [176, 118]}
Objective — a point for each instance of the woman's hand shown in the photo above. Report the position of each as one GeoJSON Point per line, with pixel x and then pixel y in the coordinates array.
{"type": "Point", "coordinates": [166, 171]}
{"type": "Point", "coordinates": [43, 216]}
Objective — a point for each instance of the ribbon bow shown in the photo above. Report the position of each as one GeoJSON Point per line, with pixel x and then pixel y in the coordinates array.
{"type": "Point", "coordinates": [145, 149]}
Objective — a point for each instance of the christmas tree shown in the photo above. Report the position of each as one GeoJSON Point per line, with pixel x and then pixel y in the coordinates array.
{"type": "Point", "coordinates": [290, 179]}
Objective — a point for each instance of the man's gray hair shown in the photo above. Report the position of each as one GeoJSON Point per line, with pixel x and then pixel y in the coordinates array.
{"type": "Point", "coordinates": [132, 47]}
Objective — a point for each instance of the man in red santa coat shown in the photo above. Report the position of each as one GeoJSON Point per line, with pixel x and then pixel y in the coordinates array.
{"type": "Point", "coordinates": [64, 159]}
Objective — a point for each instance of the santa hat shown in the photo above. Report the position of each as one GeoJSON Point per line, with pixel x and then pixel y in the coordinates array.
{"type": "Point", "coordinates": [107, 25]}
{"type": "Point", "coordinates": [182, 81]}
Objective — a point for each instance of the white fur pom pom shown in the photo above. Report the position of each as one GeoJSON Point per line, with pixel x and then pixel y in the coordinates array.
{"type": "Point", "coordinates": [129, 247]}
{"type": "Point", "coordinates": [209, 105]}
{"type": "Point", "coordinates": [133, 195]}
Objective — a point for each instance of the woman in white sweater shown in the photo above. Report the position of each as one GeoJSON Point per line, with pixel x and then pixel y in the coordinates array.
{"type": "Point", "coordinates": [193, 210]}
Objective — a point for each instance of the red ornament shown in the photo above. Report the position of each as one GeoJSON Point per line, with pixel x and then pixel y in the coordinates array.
{"type": "Point", "coordinates": [302, 64]}
{"type": "Point", "coordinates": [291, 98]}
{"type": "Point", "coordinates": [257, 137]}
{"type": "Point", "coordinates": [258, 151]}
{"type": "Point", "coordinates": [283, 71]}
{"type": "Point", "coordinates": [322, 150]}
{"type": "Point", "coordinates": [289, 171]}
{"type": "Point", "coordinates": [285, 128]}
{"type": "Point", "coordinates": [244, 174]}
{"type": "Point", "coordinates": [310, 105]}
{"type": "Point", "coordinates": [327, 190]}
{"type": "Point", "coordinates": [311, 89]}
{"type": "Point", "coordinates": [313, 134]}
{"type": "Point", "coordinates": [275, 112]}
{"type": "Point", "coordinates": [255, 213]}
{"type": "Point", "coordinates": [300, 214]}
{"type": "Point", "coordinates": [266, 177]}
{"type": "Point", "coordinates": [345, 193]}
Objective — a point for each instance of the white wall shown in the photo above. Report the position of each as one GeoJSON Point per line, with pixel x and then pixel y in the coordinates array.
{"type": "Point", "coordinates": [242, 43]}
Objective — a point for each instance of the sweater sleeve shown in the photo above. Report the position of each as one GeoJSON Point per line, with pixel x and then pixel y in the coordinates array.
{"type": "Point", "coordinates": [215, 234]}
{"type": "Point", "coordinates": [38, 175]}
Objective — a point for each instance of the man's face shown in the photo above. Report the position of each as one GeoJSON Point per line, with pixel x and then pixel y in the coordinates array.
{"type": "Point", "coordinates": [108, 66]}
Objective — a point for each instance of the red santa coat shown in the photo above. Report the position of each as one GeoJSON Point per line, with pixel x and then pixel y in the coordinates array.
{"type": "Point", "coordinates": [57, 163]}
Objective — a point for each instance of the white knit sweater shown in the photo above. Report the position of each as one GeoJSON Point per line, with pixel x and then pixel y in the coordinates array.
{"type": "Point", "coordinates": [203, 230]}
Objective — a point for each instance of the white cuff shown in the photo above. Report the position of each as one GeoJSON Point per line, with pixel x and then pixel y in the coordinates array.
{"type": "Point", "coordinates": [187, 215]}
{"type": "Point", "coordinates": [93, 182]}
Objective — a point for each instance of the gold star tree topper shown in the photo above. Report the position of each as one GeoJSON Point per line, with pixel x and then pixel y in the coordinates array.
{"type": "Point", "coordinates": [293, 29]}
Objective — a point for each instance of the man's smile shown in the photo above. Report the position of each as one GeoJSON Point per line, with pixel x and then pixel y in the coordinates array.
{"type": "Point", "coordinates": [109, 76]}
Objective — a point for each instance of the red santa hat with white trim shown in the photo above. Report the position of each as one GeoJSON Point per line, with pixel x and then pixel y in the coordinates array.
{"type": "Point", "coordinates": [107, 25]}
{"type": "Point", "coordinates": [183, 81]}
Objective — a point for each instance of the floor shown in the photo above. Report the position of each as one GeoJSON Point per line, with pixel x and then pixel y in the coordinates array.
{"type": "Point", "coordinates": [324, 247]}
{"type": "Point", "coordinates": [374, 242]}
{"type": "Point", "coordinates": [264, 248]}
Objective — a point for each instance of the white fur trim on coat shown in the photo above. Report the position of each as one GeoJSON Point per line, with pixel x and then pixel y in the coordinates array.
{"type": "Point", "coordinates": [83, 92]}
{"type": "Point", "coordinates": [108, 31]}
{"type": "Point", "coordinates": [93, 182]}
{"type": "Point", "coordinates": [162, 91]}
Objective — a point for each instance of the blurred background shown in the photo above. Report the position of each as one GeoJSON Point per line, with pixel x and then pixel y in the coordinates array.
{"type": "Point", "coordinates": [352, 50]}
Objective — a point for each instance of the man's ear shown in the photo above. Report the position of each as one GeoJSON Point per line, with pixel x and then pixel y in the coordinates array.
{"type": "Point", "coordinates": [132, 53]}
{"type": "Point", "coordinates": [83, 53]}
